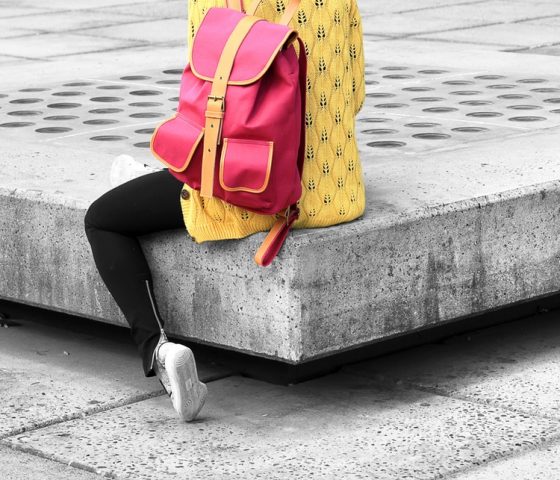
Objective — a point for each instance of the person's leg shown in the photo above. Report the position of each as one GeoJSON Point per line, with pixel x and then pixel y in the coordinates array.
{"type": "Point", "coordinates": [144, 205]}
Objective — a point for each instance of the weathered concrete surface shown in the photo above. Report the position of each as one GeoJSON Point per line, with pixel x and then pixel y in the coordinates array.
{"type": "Point", "coordinates": [451, 229]}
{"type": "Point", "coordinates": [17, 465]}
{"type": "Point", "coordinates": [50, 374]}
{"type": "Point", "coordinates": [514, 366]}
{"type": "Point", "coordinates": [336, 427]}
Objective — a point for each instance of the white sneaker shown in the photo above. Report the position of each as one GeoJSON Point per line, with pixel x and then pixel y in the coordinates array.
{"type": "Point", "coordinates": [176, 368]}
{"type": "Point", "coordinates": [125, 168]}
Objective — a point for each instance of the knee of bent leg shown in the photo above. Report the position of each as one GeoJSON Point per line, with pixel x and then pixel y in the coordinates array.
{"type": "Point", "coordinates": [92, 216]}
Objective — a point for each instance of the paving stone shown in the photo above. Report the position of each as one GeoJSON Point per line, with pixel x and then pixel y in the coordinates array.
{"type": "Point", "coordinates": [335, 427]}
{"type": "Point", "coordinates": [62, 21]}
{"type": "Point", "coordinates": [17, 465]}
{"type": "Point", "coordinates": [151, 10]}
{"type": "Point", "coordinates": [50, 374]}
{"type": "Point", "coordinates": [171, 30]}
{"type": "Point", "coordinates": [543, 464]}
{"type": "Point", "coordinates": [10, 11]}
{"type": "Point", "coordinates": [515, 365]}
{"type": "Point", "coordinates": [53, 44]}
{"type": "Point", "coordinates": [512, 34]}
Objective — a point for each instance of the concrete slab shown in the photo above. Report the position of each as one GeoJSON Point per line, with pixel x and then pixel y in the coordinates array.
{"type": "Point", "coordinates": [542, 464]}
{"type": "Point", "coordinates": [50, 374]}
{"type": "Point", "coordinates": [513, 366]}
{"type": "Point", "coordinates": [17, 465]}
{"type": "Point", "coordinates": [345, 428]}
{"type": "Point", "coordinates": [148, 10]}
{"type": "Point", "coordinates": [514, 35]}
{"type": "Point", "coordinates": [155, 31]}
{"type": "Point", "coordinates": [53, 44]}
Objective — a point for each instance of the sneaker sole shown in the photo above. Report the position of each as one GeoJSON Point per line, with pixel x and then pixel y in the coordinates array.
{"type": "Point", "coordinates": [188, 393]}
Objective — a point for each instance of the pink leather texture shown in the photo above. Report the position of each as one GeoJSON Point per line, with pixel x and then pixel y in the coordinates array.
{"type": "Point", "coordinates": [262, 132]}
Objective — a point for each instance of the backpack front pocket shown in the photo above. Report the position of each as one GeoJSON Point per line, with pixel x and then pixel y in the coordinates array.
{"type": "Point", "coordinates": [245, 165]}
{"type": "Point", "coordinates": [174, 142]}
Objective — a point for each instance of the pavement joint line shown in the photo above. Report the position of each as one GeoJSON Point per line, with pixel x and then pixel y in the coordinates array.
{"type": "Point", "coordinates": [110, 49]}
{"type": "Point", "coordinates": [455, 29]}
{"type": "Point", "coordinates": [58, 459]}
{"type": "Point", "coordinates": [83, 31]}
{"type": "Point", "coordinates": [447, 40]}
{"type": "Point", "coordinates": [536, 18]}
{"type": "Point", "coordinates": [101, 409]}
{"type": "Point", "coordinates": [435, 7]}
{"type": "Point", "coordinates": [136, 84]}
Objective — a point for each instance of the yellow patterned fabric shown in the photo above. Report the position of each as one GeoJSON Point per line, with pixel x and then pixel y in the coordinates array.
{"type": "Point", "coordinates": [333, 187]}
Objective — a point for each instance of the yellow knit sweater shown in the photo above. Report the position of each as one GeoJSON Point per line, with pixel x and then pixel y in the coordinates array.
{"type": "Point", "coordinates": [333, 187]}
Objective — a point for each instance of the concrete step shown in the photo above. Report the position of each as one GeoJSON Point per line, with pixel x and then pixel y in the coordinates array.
{"type": "Point", "coordinates": [462, 212]}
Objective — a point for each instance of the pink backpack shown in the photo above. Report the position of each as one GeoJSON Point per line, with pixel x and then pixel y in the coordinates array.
{"type": "Point", "coordinates": [239, 131]}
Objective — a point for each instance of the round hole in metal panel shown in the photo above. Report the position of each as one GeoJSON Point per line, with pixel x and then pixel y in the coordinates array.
{"type": "Point", "coordinates": [145, 93]}
{"type": "Point", "coordinates": [379, 131]}
{"type": "Point", "coordinates": [16, 124]}
{"type": "Point", "coordinates": [101, 121]}
{"type": "Point", "coordinates": [552, 100]}
{"type": "Point", "coordinates": [59, 118]}
{"type": "Point", "coordinates": [24, 113]}
{"type": "Point", "coordinates": [147, 115]}
{"type": "Point", "coordinates": [545, 90]}
{"type": "Point", "coordinates": [489, 77]}
{"type": "Point", "coordinates": [422, 124]}
{"type": "Point", "coordinates": [475, 103]}
{"type": "Point", "coordinates": [458, 82]}
{"type": "Point", "coordinates": [440, 109]}
{"type": "Point", "coordinates": [111, 87]}
{"type": "Point", "coordinates": [484, 114]}
{"type": "Point", "coordinates": [53, 129]}
{"type": "Point", "coordinates": [398, 76]}
{"type": "Point", "coordinates": [77, 84]}
{"type": "Point", "coordinates": [417, 89]}
{"type": "Point", "coordinates": [171, 81]}
{"type": "Point", "coordinates": [379, 95]}
{"type": "Point", "coordinates": [33, 89]}
{"type": "Point", "coordinates": [386, 144]}
{"type": "Point", "coordinates": [173, 99]}
{"type": "Point", "coordinates": [500, 86]}
{"type": "Point", "coordinates": [107, 99]}
{"type": "Point", "coordinates": [513, 96]}
{"type": "Point", "coordinates": [391, 105]}
{"type": "Point", "coordinates": [470, 129]}
{"type": "Point", "coordinates": [173, 71]}
{"type": "Point", "coordinates": [25, 101]}
{"type": "Point", "coordinates": [432, 72]}
{"type": "Point", "coordinates": [146, 104]}
{"type": "Point", "coordinates": [106, 111]}
{"type": "Point", "coordinates": [466, 92]}
{"type": "Point", "coordinates": [3, 95]}
{"type": "Point", "coordinates": [532, 80]}
{"type": "Point", "coordinates": [64, 105]}
{"type": "Point", "coordinates": [375, 120]}
{"type": "Point", "coordinates": [556, 110]}
{"type": "Point", "coordinates": [431, 136]}
{"type": "Point", "coordinates": [428, 99]}
{"type": "Point", "coordinates": [527, 118]}
{"type": "Point", "coordinates": [524, 107]}
{"type": "Point", "coordinates": [108, 138]}
{"type": "Point", "coordinates": [145, 130]}
{"type": "Point", "coordinates": [71, 93]}
{"type": "Point", "coordinates": [371, 82]}
{"type": "Point", "coordinates": [135, 77]}
{"type": "Point", "coordinates": [394, 68]}
{"type": "Point", "coordinates": [142, 145]}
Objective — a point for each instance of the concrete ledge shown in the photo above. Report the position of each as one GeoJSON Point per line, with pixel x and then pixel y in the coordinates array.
{"type": "Point", "coordinates": [449, 231]}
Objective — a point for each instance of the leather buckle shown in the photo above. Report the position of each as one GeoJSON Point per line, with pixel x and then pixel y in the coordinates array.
{"type": "Point", "coordinates": [219, 97]}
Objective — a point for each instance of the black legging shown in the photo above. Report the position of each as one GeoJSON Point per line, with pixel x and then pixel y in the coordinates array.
{"type": "Point", "coordinates": [144, 205]}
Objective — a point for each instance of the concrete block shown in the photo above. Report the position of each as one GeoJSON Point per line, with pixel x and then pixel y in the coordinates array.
{"type": "Point", "coordinates": [345, 428]}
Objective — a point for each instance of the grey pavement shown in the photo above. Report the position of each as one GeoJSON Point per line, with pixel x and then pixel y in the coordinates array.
{"type": "Point", "coordinates": [483, 405]}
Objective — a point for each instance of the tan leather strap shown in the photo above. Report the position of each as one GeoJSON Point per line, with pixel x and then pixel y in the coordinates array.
{"type": "Point", "coordinates": [288, 13]}
{"type": "Point", "coordinates": [215, 109]}
{"type": "Point", "coordinates": [275, 238]}
{"type": "Point", "coordinates": [235, 4]}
